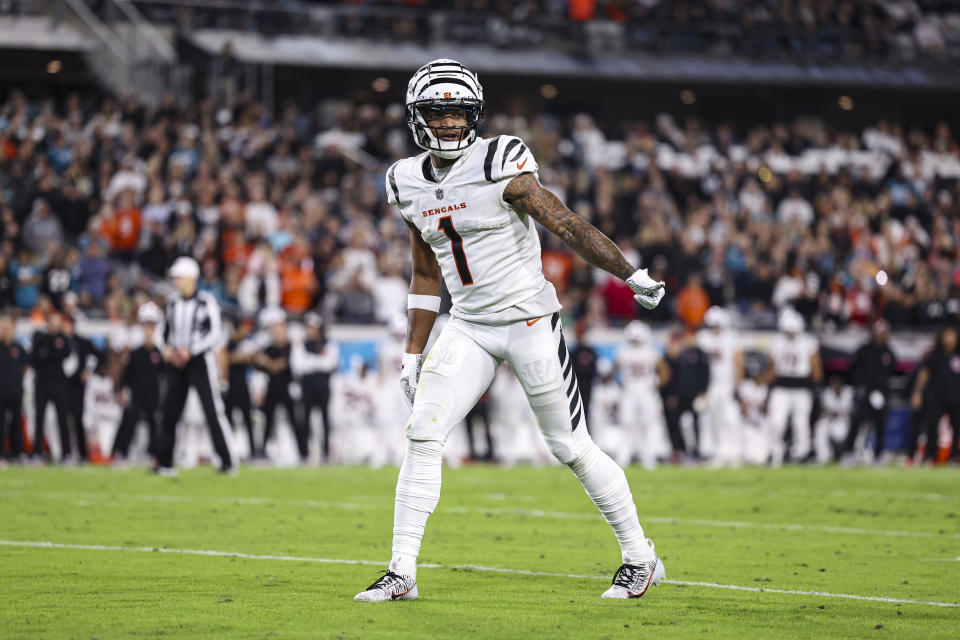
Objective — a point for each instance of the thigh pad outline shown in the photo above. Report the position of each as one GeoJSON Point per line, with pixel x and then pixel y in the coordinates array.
{"type": "Point", "coordinates": [534, 361]}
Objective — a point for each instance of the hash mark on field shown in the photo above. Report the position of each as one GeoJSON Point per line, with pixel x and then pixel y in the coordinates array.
{"type": "Point", "coordinates": [462, 567]}
{"type": "Point", "coordinates": [111, 498]}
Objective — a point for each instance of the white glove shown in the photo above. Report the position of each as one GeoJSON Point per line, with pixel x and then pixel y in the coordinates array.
{"type": "Point", "coordinates": [649, 292]}
{"type": "Point", "coordinates": [410, 376]}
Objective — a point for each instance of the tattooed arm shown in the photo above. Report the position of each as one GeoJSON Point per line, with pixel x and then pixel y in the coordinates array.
{"type": "Point", "coordinates": [526, 194]}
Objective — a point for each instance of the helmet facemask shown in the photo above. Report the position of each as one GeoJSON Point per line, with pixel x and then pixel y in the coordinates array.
{"type": "Point", "coordinates": [434, 90]}
{"type": "Point", "coordinates": [422, 112]}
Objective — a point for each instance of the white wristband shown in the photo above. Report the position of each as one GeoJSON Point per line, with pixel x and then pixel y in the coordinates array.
{"type": "Point", "coordinates": [429, 303]}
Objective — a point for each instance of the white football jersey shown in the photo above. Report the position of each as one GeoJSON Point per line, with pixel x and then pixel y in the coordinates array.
{"type": "Point", "coordinates": [638, 366]}
{"type": "Point", "coordinates": [721, 348]}
{"type": "Point", "coordinates": [488, 252]}
{"type": "Point", "coordinates": [791, 356]}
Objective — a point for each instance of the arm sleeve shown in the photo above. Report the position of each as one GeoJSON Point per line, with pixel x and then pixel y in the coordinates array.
{"type": "Point", "coordinates": [127, 374]}
{"type": "Point", "coordinates": [212, 338]}
{"type": "Point", "coordinates": [39, 351]}
{"type": "Point", "coordinates": [164, 330]}
{"type": "Point", "coordinates": [855, 367]}
{"type": "Point", "coordinates": [703, 380]}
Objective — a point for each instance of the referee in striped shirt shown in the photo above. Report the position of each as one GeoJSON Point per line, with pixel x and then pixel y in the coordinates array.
{"type": "Point", "coordinates": [191, 334]}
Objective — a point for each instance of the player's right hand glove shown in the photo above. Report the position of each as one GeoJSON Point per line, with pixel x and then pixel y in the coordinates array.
{"type": "Point", "coordinates": [649, 292]}
{"type": "Point", "coordinates": [410, 376]}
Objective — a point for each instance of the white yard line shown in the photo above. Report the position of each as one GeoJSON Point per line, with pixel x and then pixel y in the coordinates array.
{"type": "Point", "coordinates": [84, 498]}
{"type": "Point", "coordinates": [460, 567]}
{"type": "Point", "coordinates": [940, 560]}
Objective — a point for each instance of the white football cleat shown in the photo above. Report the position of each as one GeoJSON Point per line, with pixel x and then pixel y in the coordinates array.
{"type": "Point", "coordinates": [633, 580]}
{"type": "Point", "coordinates": [389, 586]}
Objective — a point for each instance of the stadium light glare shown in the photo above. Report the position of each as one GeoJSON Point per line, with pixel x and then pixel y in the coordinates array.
{"type": "Point", "coordinates": [548, 91]}
{"type": "Point", "coordinates": [845, 103]}
{"type": "Point", "coordinates": [54, 66]}
{"type": "Point", "coordinates": [687, 96]}
{"type": "Point", "coordinates": [380, 85]}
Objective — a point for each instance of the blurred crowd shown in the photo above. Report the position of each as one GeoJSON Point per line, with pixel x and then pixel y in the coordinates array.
{"type": "Point", "coordinates": [99, 195]}
{"type": "Point", "coordinates": [890, 30]}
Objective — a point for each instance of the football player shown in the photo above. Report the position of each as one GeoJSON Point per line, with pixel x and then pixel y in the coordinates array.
{"type": "Point", "coordinates": [642, 407]}
{"type": "Point", "coordinates": [721, 424]}
{"type": "Point", "coordinates": [471, 205]}
{"type": "Point", "coordinates": [795, 361]}
{"type": "Point", "coordinates": [752, 396]}
{"type": "Point", "coordinates": [833, 425]}
{"type": "Point", "coordinates": [606, 412]}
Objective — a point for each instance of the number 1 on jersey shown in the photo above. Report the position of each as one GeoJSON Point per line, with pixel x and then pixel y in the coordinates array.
{"type": "Point", "coordinates": [456, 244]}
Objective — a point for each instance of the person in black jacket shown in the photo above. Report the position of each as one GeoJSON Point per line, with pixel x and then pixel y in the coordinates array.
{"type": "Point", "coordinates": [275, 361]}
{"type": "Point", "coordinates": [50, 349]}
{"type": "Point", "coordinates": [79, 366]}
{"type": "Point", "coordinates": [873, 365]}
{"type": "Point", "coordinates": [142, 376]}
{"type": "Point", "coordinates": [684, 374]}
{"type": "Point", "coordinates": [584, 365]}
{"type": "Point", "coordinates": [240, 353]}
{"type": "Point", "coordinates": [13, 360]}
{"type": "Point", "coordinates": [938, 385]}
{"type": "Point", "coordinates": [313, 362]}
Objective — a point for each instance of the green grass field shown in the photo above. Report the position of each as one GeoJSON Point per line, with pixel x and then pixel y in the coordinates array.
{"type": "Point", "coordinates": [291, 547]}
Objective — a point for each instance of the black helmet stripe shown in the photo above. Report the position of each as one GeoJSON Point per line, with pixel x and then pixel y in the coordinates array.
{"type": "Point", "coordinates": [445, 80]}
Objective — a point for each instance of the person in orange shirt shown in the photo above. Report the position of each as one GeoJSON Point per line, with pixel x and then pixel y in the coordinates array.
{"type": "Point", "coordinates": [298, 284]}
{"type": "Point", "coordinates": [692, 302]}
{"type": "Point", "coordinates": [123, 227]}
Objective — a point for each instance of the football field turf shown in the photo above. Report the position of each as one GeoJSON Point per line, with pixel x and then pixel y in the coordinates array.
{"type": "Point", "coordinates": [510, 553]}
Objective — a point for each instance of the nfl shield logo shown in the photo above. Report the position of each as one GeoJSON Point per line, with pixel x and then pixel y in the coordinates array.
{"type": "Point", "coordinates": [439, 194]}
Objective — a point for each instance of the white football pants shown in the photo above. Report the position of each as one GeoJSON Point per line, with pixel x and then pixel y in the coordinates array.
{"type": "Point", "coordinates": [458, 369]}
{"type": "Point", "coordinates": [794, 405]}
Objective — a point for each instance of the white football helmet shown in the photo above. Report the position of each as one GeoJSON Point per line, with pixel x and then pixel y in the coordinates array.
{"type": "Point", "coordinates": [438, 85]}
{"type": "Point", "coordinates": [270, 316]}
{"type": "Point", "coordinates": [637, 331]}
{"type": "Point", "coordinates": [717, 318]}
{"type": "Point", "coordinates": [790, 321]}
{"type": "Point", "coordinates": [149, 313]}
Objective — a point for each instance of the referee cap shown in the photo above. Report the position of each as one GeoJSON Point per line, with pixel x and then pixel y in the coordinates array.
{"type": "Point", "coordinates": [185, 267]}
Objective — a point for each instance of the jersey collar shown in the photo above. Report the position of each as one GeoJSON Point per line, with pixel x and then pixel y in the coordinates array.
{"type": "Point", "coordinates": [427, 168]}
